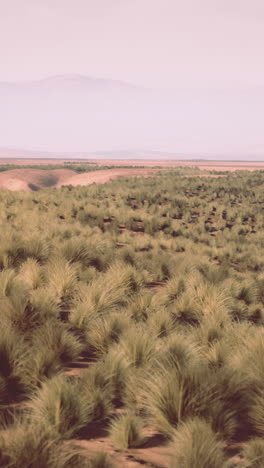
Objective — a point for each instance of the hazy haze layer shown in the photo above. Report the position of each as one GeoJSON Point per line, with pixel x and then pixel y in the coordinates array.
{"type": "Point", "coordinates": [76, 113]}
{"type": "Point", "coordinates": [205, 56]}
{"type": "Point", "coordinates": [159, 43]}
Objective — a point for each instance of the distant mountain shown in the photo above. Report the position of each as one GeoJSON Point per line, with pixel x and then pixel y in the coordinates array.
{"type": "Point", "coordinates": [75, 113]}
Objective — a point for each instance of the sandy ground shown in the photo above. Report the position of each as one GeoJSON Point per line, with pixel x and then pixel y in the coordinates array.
{"type": "Point", "coordinates": [206, 165]}
{"type": "Point", "coordinates": [35, 179]}
{"type": "Point", "coordinates": [156, 456]}
{"type": "Point", "coordinates": [100, 177]}
{"type": "Point", "coordinates": [20, 179]}
{"type": "Point", "coordinates": [30, 179]}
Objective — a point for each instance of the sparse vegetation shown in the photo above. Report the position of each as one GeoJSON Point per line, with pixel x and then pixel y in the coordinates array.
{"type": "Point", "coordinates": [132, 305]}
{"type": "Point", "coordinates": [72, 165]}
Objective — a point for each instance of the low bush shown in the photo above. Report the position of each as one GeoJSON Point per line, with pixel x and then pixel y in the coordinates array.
{"type": "Point", "coordinates": [195, 445]}
{"type": "Point", "coordinates": [127, 431]}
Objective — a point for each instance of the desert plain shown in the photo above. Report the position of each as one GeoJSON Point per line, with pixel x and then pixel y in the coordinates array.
{"type": "Point", "coordinates": [33, 178]}
{"type": "Point", "coordinates": [132, 304]}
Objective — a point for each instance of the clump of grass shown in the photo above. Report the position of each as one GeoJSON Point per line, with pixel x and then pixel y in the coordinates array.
{"type": "Point", "coordinates": [178, 352]}
{"type": "Point", "coordinates": [141, 307]}
{"type": "Point", "coordinates": [253, 453]}
{"type": "Point", "coordinates": [88, 253]}
{"type": "Point", "coordinates": [138, 346]}
{"type": "Point", "coordinates": [213, 274]}
{"type": "Point", "coordinates": [46, 363]}
{"type": "Point", "coordinates": [111, 375]}
{"type": "Point", "coordinates": [87, 275]}
{"type": "Point", "coordinates": [60, 408]}
{"type": "Point", "coordinates": [27, 312]}
{"type": "Point", "coordinates": [256, 313]}
{"type": "Point", "coordinates": [239, 311]}
{"type": "Point", "coordinates": [10, 285]}
{"type": "Point", "coordinates": [217, 355]}
{"type": "Point", "coordinates": [54, 336]}
{"type": "Point", "coordinates": [172, 291]}
{"type": "Point", "coordinates": [229, 408]}
{"type": "Point", "coordinates": [30, 445]}
{"type": "Point", "coordinates": [210, 331]}
{"type": "Point", "coordinates": [111, 291]}
{"type": "Point", "coordinates": [208, 298]}
{"type": "Point", "coordinates": [105, 332]}
{"type": "Point", "coordinates": [116, 369]}
{"type": "Point", "coordinates": [256, 412]}
{"type": "Point", "coordinates": [161, 323]}
{"type": "Point", "coordinates": [65, 407]}
{"type": "Point", "coordinates": [83, 312]}
{"type": "Point", "coordinates": [44, 302]}
{"type": "Point", "coordinates": [30, 272]}
{"type": "Point", "coordinates": [171, 395]}
{"type": "Point", "coordinates": [15, 376]}
{"type": "Point", "coordinates": [195, 445]}
{"type": "Point", "coordinates": [126, 431]}
{"type": "Point", "coordinates": [62, 279]}
{"type": "Point", "coordinates": [253, 347]}
{"type": "Point", "coordinates": [122, 275]}
{"type": "Point", "coordinates": [260, 288]}
{"type": "Point", "coordinates": [247, 293]}
{"type": "Point", "coordinates": [20, 249]}
{"type": "Point", "coordinates": [185, 312]}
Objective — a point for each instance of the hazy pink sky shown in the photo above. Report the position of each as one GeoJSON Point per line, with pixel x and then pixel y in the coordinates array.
{"type": "Point", "coordinates": [165, 43]}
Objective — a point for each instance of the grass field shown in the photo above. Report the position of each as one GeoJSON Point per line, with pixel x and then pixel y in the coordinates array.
{"type": "Point", "coordinates": [132, 318]}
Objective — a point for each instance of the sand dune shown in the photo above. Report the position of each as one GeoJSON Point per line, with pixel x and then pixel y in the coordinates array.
{"type": "Point", "coordinates": [100, 177]}
{"type": "Point", "coordinates": [37, 179]}
{"type": "Point", "coordinates": [33, 179]}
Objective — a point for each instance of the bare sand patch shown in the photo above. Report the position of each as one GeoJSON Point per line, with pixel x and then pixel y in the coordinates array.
{"type": "Point", "coordinates": [201, 164]}
{"type": "Point", "coordinates": [156, 456]}
{"type": "Point", "coordinates": [36, 179]}
{"type": "Point", "coordinates": [33, 179]}
{"type": "Point", "coordinates": [105, 175]}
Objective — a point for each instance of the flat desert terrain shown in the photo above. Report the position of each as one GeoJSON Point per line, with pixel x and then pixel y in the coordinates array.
{"type": "Point", "coordinates": [206, 165]}
{"type": "Point", "coordinates": [30, 179]}
{"type": "Point", "coordinates": [36, 179]}
{"type": "Point", "coordinates": [202, 164]}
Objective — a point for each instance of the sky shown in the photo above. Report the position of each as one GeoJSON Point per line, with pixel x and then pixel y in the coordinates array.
{"type": "Point", "coordinates": [154, 43]}
{"type": "Point", "coordinates": [198, 65]}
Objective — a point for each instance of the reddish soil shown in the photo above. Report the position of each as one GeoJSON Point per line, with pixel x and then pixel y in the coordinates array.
{"type": "Point", "coordinates": [156, 455]}
{"type": "Point", "coordinates": [36, 179]}
{"type": "Point", "coordinates": [30, 179]}
{"type": "Point", "coordinates": [102, 176]}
